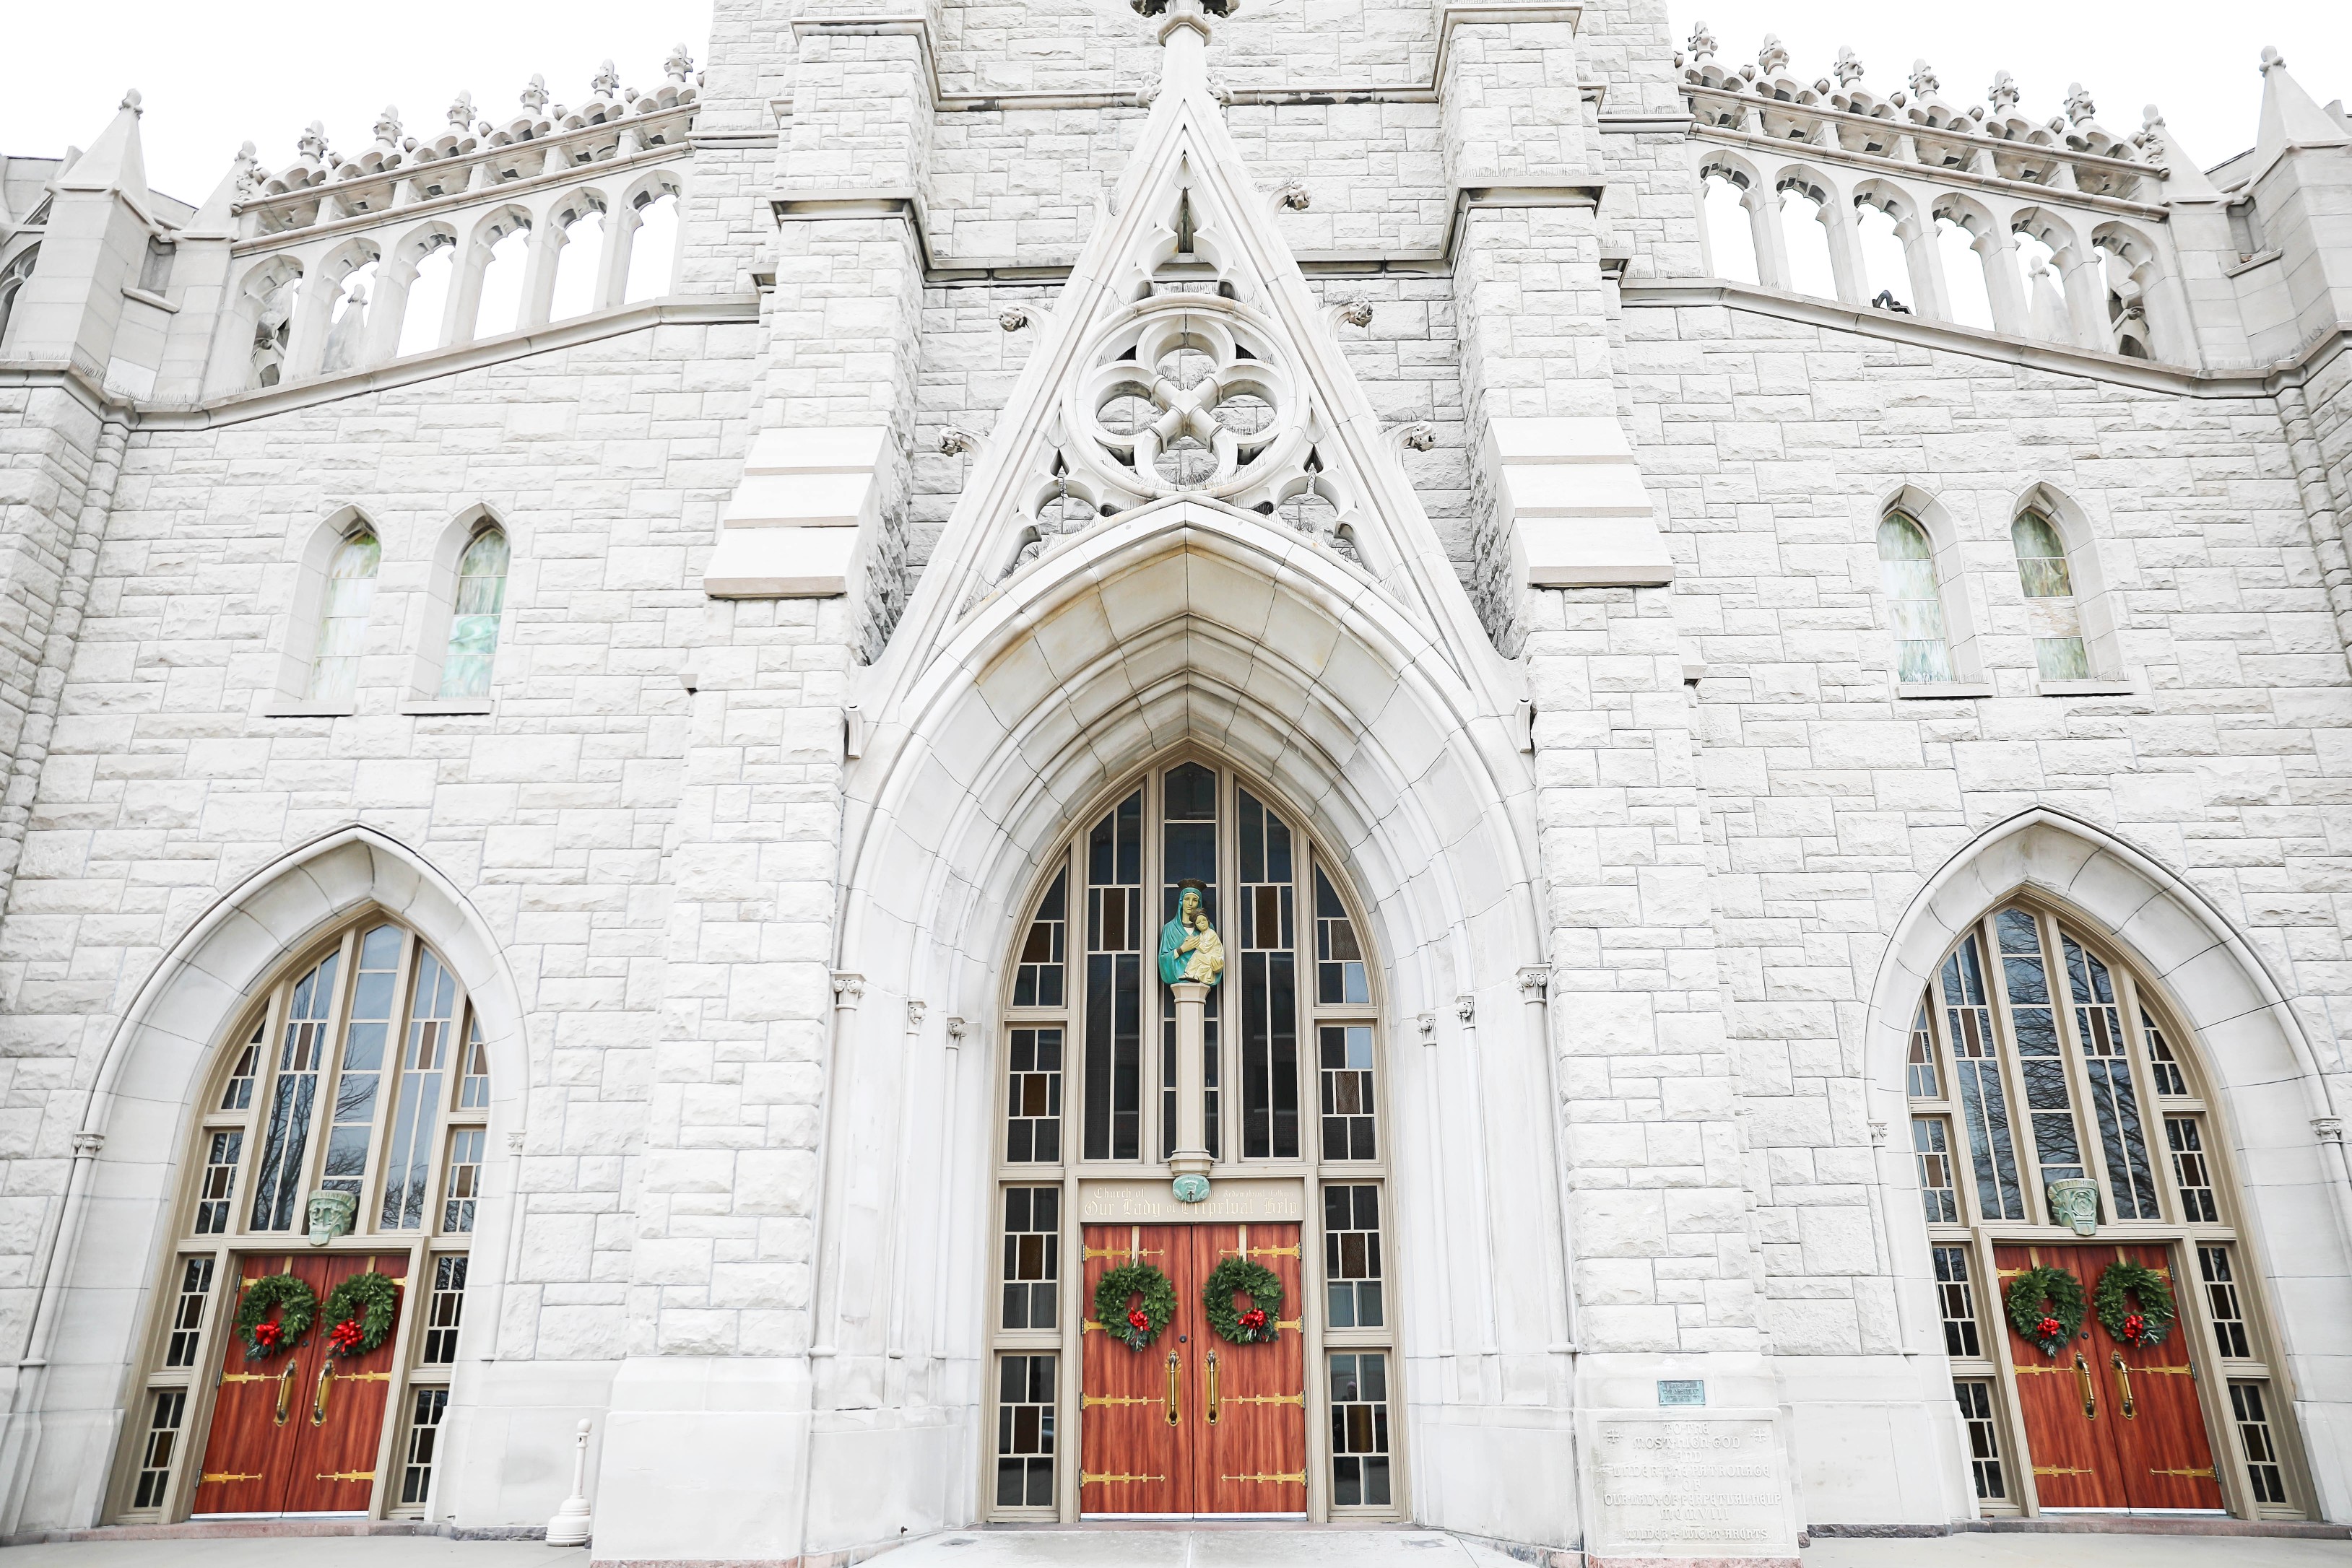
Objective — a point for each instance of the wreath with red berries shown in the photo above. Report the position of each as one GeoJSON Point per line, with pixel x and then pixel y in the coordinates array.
{"type": "Point", "coordinates": [274, 1313]}
{"type": "Point", "coordinates": [363, 1309]}
{"type": "Point", "coordinates": [2134, 1305]}
{"type": "Point", "coordinates": [1152, 1299]}
{"type": "Point", "coordinates": [1263, 1320]}
{"type": "Point", "coordinates": [2045, 1305]}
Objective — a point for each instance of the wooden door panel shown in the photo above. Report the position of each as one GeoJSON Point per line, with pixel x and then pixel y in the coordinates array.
{"type": "Point", "coordinates": [2064, 1403]}
{"type": "Point", "coordinates": [1132, 1457]}
{"type": "Point", "coordinates": [2167, 1455]}
{"type": "Point", "coordinates": [1253, 1446]}
{"type": "Point", "coordinates": [249, 1451]}
{"type": "Point", "coordinates": [342, 1405]}
{"type": "Point", "coordinates": [269, 1449]}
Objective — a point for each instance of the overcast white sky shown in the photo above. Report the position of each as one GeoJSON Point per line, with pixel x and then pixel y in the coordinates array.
{"type": "Point", "coordinates": [215, 73]}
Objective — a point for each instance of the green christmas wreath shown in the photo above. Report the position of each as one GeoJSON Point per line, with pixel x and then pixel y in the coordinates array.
{"type": "Point", "coordinates": [1135, 1327]}
{"type": "Point", "coordinates": [2134, 1303]}
{"type": "Point", "coordinates": [1262, 1322]}
{"type": "Point", "coordinates": [2045, 1305]}
{"type": "Point", "coordinates": [274, 1313]}
{"type": "Point", "coordinates": [362, 1311]}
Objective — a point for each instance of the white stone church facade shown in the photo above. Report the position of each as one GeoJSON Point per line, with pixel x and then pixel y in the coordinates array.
{"type": "Point", "coordinates": [607, 709]}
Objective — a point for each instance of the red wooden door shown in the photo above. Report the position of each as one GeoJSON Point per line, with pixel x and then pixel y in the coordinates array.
{"type": "Point", "coordinates": [297, 1433]}
{"type": "Point", "coordinates": [2160, 1429]}
{"type": "Point", "coordinates": [2064, 1400]}
{"type": "Point", "coordinates": [1135, 1425]}
{"type": "Point", "coordinates": [1252, 1457]}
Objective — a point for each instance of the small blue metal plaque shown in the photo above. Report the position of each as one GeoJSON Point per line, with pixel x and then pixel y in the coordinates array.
{"type": "Point", "coordinates": [1682, 1391]}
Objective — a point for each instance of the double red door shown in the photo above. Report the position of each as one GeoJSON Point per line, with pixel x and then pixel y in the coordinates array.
{"type": "Point", "coordinates": [298, 1433]}
{"type": "Point", "coordinates": [1194, 1424]}
{"type": "Point", "coordinates": [2107, 1424]}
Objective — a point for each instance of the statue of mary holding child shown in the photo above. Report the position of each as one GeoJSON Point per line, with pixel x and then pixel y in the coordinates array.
{"type": "Point", "coordinates": [1190, 947]}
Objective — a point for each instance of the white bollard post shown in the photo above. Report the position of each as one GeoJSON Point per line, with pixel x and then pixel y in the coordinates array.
{"type": "Point", "coordinates": [570, 1523]}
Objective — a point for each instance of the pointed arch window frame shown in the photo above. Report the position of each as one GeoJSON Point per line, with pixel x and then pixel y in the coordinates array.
{"type": "Point", "coordinates": [1957, 1218]}
{"type": "Point", "coordinates": [1951, 584]}
{"type": "Point", "coordinates": [2095, 603]}
{"type": "Point", "coordinates": [1317, 1172]}
{"type": "Point", "coordinates": [424, 987]}
{"type": "Point", "coordinates": [313, 604]}
{"type": "Point", "coordinates": [441, 607]}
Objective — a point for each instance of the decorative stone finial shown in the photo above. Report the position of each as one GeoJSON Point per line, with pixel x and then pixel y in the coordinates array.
{"type": "Point", "coordinates": [1772, 60]}
{"type": "Point", "coordinates": [1848, 70]}
{"type": "Point", "coordinates": [1702, 44]}
{"type": "Point", "coordinates": [2079, 106]}
{"type": "Point", "coordinates": [607, 83]}
{"type": "Point", "coordinates": [1181, 15]}
{"type": "Point", "coordinates": [2271, 59]}
{"type": "Point", "coordinates": [387, 125]}
{"type": "Point", "coordinates": [534, 96]}
{"type": "Point", "coordinates": [312, 143]}
{"type": "Point", "coordinates": [2003, 94]}
{"type": "Point", "coordinates": [132, 101]}
{"type": "Point", "coordinates": [461, 112]}
{"type": "Point", "coordinates": [1923, 78]}
{"type": "Point", "coordinates": [679, 66]}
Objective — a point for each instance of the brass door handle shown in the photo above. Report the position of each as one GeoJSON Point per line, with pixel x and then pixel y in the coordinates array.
{"type": "Point", "coordinates": [2090, 1389]}
{"type": "Point", "coordinates": [1171, 1388]}
{"type": "Point", "coordinates": [285, 1393]}
{"type": "Point", "coordinates": [326, 1381]}
{"type": "Point", "coordinates": [2123, 1377]}
{"type": "Point", "coordinates": [1213, 1388]}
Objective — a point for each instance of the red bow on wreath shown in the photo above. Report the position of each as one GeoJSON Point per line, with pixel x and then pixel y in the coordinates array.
{"type": "Point", "coordinates": [265, 1335]}
{"type": "Point", "coordinates": [2135, 1325]}
{"type": "Point", "coordinates": [1253, 1319]}
{"type": "Point", "coordinates": [344, 1336]}
{"type": "Point", "coordinates": [1134, 1316]}
{"type": "Point", "coordinates": [2049, 1328]}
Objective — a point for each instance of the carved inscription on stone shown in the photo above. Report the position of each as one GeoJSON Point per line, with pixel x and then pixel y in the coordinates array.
{"type": "Point", "coordinates": [1151, 1203]}
{"type": "Point", "coordinates": [1711, 1482]}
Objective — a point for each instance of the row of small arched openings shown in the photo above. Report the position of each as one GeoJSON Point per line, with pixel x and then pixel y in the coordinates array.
{"type": "Point", "coordinates": [369, 301]}
{"type": "Point", "coordinates": [335, 603]}
{"type": "Point", "coordinates": [2039, 274]}
{"type": "Point", "coordinates": [2066, 614]}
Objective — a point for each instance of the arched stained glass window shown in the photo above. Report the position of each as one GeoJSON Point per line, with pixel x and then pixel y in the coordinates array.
{"type": "Point", "coordinates": [1297, 1123]}
{"type": "Point", "coordinates": [2051, 613]}
{"type": "Point", "coordinates": [360, 1072]}
{"type": "Point", "coordinates": [2057, 1124]}
{"type": "Point", "coordinates": [474, 620]}
{"type": "Point", "coordinates": [343, 619]}
{"type": "Point", "coordinates": [1906, 570]}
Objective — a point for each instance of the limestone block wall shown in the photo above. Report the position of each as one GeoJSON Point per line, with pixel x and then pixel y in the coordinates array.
{"type": "Point", "coordinates": [1773, 446]}
{"type": "Point", "coordinates": [166, 785]}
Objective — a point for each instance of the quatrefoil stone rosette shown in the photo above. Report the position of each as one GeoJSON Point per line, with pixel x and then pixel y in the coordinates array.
{"type": "Point", "coordinates": [1185, 394]}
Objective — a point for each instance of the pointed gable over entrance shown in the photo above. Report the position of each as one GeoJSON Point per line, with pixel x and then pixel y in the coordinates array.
{"type": "Point", "coordinates": [1187, 360]}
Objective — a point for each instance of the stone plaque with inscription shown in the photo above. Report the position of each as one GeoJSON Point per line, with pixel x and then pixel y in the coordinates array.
{"type": "Point", "coordinates": [1684, 1484]}
{"type": "Point", "coordinates": [1229, 1202]}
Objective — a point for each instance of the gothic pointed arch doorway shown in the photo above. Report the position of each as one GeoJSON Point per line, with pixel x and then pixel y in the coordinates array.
{"type": "Point", "coordinates": [2067, 1139]}
{"type": "Point", "coordinates": [304, 1329]}
{"type": "Point", "coordinates": [1191, 995]}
